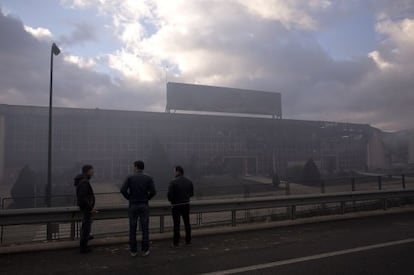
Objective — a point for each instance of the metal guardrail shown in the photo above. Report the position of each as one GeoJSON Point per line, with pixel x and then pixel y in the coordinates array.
{"type": "Point", "coordinates": [68, 213]}
{"type": "Point", "coordinates": [161, 209]}
{"type": "Point", "coordinates": [41, 200]}
{"type": "Point", "coordinates": [246, 190]}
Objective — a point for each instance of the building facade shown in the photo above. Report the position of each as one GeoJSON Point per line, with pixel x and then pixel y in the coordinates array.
{"type": "Point", "coordinates": [206, 144]}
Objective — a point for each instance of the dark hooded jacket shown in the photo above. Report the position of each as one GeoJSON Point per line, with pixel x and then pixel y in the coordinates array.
{"type": "Point", "coordinates": [84, 193]}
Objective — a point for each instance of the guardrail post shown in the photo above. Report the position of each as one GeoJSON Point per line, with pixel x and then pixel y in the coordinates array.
{"type": "Point", "coordinates": [293, 212]}
{"type": "Point", "coordinates": [379, 183]}
{"type": "Point", "coordinates": [72, 227]}
{"type": "Point", "coordinates": [403, 181]}
{"type": "Point", "coordinates": [1, 229]}
{"type": "Point", "coordinates": [322, 186]}
{"type": "Point", "coordinates": [72, 230]}
{"type": "Point", "coordinates": [199, 218]}
{"type": "Point", "coordinates": [343, 205]}
{"type": "Point", "coordinates": [77, 229]}
{"type": "Point", "coordinates": [246, 214]}
{"type": "Point", "coordinates": [287, 190]}
{"type": "Point", "coordinates": [48, 231]}
{"type": "Point", "coordinates": [323, 190]}
{"type": "Point", "coordinates": [233, 217]}
{"type": "Point", "coordinates": [162, 224]}
{"type": "Point", "coordinates": [353, 184]}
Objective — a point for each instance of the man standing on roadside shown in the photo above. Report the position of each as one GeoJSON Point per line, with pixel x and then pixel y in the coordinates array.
{"type": "Point", "coordinates": [179, 193]}
{"type": "Point", "coordinates": [86, 203]}
{"type": "Point", "coordinates": [138, 189]}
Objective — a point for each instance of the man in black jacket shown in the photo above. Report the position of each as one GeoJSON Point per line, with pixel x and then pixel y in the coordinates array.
{"type": "Point", "coordinates": [86, 203]}
{"type": "Point", "coordinates": [179, 193]}
{"type": "Point", "coordinates": [138, 189]}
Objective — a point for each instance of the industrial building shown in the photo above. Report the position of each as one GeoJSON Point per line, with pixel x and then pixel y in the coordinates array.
{"type": "Point", "coordinates": [204, 143]}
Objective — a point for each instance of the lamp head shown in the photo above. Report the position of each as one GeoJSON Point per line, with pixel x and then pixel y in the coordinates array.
{"type": "Point", "coordinates": [55, 49]}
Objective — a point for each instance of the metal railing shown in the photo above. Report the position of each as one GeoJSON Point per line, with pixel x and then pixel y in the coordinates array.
{"type": "Point", "coordinates": [326, 185]}
{"type": "Point", "coordinates": [161, 209]}
{"type": "Point", "coordinates": [56, 200]}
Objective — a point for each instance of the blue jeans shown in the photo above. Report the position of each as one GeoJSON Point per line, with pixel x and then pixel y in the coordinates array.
{"type": "Point", "coordinates": [141, 211]}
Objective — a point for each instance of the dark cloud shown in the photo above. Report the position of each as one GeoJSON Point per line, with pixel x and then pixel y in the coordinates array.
{"type": "Point", "coordinates": [235, 49]}
{"type": "Point", "coordinates": [83, 32]}
{"type": "Point", "coordinates": [254, 53]}
{"type": "Point", "coordinates": [24, 77]}
{"type": "Point", "coordinates": [396, 9]}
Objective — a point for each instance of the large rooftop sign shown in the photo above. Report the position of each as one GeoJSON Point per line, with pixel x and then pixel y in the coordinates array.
{"type": "Point", "coordinates": [188, 97]}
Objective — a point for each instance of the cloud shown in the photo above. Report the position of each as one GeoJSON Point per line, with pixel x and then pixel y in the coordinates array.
{"type": "Point", "coordinates": [80, 61]}
{"type": "Point", "coordinates": [398, 40]}
{"type": "Point", "coordinates": [77, 3]}
{"type": "Point", "coordinates": [292, 14]}
{"type": "Point", "coordinates": [25, 69]}
{"type": "Point", "coordinates": [83, 32]}
{"type": "Point", "coordinates": [381, 63]}
{"type": "Point", "coordinates": [266, 45]}
{"type": "Point", "coordinates": [40, 33]}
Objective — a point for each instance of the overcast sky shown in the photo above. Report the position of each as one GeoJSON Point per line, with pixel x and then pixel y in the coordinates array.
{"type": "Point", "coordinates": [348, 61]}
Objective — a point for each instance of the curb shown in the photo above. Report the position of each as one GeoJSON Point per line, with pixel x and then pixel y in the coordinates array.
{"type": "Point", "coordinates": [59, 245]}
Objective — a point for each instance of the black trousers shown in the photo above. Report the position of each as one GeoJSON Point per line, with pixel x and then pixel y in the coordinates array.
{"type": "Point", "coordinates": [85, 229]}
{"type": "Point", "coordinates": [183, 211]}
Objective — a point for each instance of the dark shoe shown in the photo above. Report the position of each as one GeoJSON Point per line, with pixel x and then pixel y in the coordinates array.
{"type": "Point", "coordinates": [188, 244]}
{"type": "Point", "coordinates": [90, 238]}
{"type": "Point", "coordinates": [174, 246]}
{"type": "Point", "coordinates": [85, 250]}
{"type": "Point", "coordinates": [133, 254]}
{"type": "Point", "coordinates": [145, 253]}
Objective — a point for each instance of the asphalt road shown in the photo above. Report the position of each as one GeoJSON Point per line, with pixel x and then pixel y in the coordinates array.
{"type": "Point", "coordinates": [342, 247]}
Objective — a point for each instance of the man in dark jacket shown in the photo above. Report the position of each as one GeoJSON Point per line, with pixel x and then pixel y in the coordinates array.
{"type": "Point", "coordinates": [86, 203]}
{"type": "Point", "coordinates": [179, 193]}
{"type": "Point", "coordinates": [138, 189]}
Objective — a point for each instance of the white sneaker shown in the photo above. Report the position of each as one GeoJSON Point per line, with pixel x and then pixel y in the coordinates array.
{"type": "Point", "coordinates": [145, 253]}
{"type": "Point", "coordinates": [134, 254]}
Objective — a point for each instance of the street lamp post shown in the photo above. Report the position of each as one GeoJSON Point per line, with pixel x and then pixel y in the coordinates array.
{"type": "Point", "coordinates": [53, 51]}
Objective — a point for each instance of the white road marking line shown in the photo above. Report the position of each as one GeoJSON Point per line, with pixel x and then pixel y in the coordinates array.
{"type": "Point", "coordinates": [309, 258]}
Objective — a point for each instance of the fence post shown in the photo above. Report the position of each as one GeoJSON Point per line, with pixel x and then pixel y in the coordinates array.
{"type": "Point", "coordinates": [323, 205]}
{"type": "Point", "coordinates": [199, 219]}
{"type": "Point", "coordinates": [379, 183]}
{"type": "Point", "coordinates": [233, 217]}
{"type": "Point", "coordinates": [322, 186]}
{"type": "Point", "coordinates": [403, 181]}
{"type": "Point", "coordinates": [343, 205]}
{"type": "Point", "coordinates": [353, 184]}
{"type": "Point", "coordinates": [72, 230]}
{"type": "Point", "coordinates": [287, 190]}
{"type": "Point", "coordinates": [72, 227]}
{"type": "Point", "coordinates": [246, 214]}
{"type": "Point", "coordinates": [293, 212]}
{"type": "Point", "coordinates": [162, 224]}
